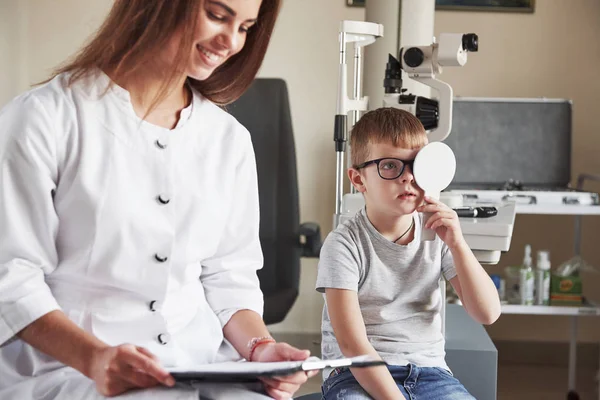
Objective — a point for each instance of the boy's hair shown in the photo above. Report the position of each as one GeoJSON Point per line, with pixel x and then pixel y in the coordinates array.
{"type": "Point", "coordinates": [385, 125]}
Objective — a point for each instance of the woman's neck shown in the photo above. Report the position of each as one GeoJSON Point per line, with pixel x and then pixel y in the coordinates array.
{"type": "Point", "coordinates": [144, 89]}
{"type": "Point", "coordinates": [392, 227]}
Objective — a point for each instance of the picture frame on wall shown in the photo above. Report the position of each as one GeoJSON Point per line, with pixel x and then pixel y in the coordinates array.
{"type": "Point", "coordinates": [355, 3]}
{"type": "Point", "coordinates": [524, 6]}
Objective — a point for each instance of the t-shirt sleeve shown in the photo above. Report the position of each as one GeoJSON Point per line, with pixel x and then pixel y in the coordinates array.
{"type": "Point", "coordinates": [339, 263]}
{"type": "Point", "coordinates": [448, 268]}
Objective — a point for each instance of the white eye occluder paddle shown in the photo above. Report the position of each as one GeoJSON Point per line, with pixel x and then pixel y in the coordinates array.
{"type": "Point", "coordinates": [433, 169]}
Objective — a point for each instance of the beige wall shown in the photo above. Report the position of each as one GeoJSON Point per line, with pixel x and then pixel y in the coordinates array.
{"type": "Point", "coordinates": [56, 29]}
{"type": "Point", "coordinates": [553, 53]}
{"type": "Point", "coordinates": [37, 35]}
{"type": "Point", "coordinates": [8, 49]}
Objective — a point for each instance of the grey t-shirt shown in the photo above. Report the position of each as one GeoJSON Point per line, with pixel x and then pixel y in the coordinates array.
{"type": "Point", "coordinates": [398, 290]}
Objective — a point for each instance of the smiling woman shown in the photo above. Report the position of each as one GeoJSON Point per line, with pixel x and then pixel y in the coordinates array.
{"type": "Point", "coordinates": [133, 246]}
{"type": "Point", "coordinates": [137, 30]}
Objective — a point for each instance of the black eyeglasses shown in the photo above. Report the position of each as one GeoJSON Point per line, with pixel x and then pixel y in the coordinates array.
{"type": "Point", "coordinates": [388, 168]}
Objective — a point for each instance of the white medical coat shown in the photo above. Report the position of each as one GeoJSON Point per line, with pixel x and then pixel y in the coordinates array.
{"type": "Point", "coordinates": [139, 234]}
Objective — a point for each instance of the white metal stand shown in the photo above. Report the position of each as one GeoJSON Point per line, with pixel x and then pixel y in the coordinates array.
{"type": "Point", "coordinates": [574, 312]}
{"type": "Point", "coordinates": [587, 310]}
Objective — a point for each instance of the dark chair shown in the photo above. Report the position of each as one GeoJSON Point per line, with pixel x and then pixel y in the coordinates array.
{"type": "Point", "coordinates": [265, 111]}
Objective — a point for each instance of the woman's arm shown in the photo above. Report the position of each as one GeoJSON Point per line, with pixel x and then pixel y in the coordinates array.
{"type": "Point", "coordinates": [28, 230]}
{"type": "Point", "coordinates": [60, 338]}
{"type": "Point", "coordinates": [246, 325]}
{"type": "Point", "coordinates": [114, 369]}
{"type": "Point", "coordinates": [349, 328]}
{"type": "Point", "coordinates": [230, 280]}
{"type": "Point", "coordinates": [243, 326]}
{"type": "Point", "coordinates": [229, 277]}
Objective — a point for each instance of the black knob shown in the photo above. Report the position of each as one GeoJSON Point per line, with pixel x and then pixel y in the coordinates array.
{"type": "Point", "coordinates": [393, 75]}
{"type": "Point", "coordinates": [470, 42]}
{"type": "Point", "coordinates": [160, 144]}
{"type": "Point", "coordinates": [163, 199]}
{"type": "Point", "coordinates": [164, 338]}
{"type": "Point", "coordinates": [414, 57]}
{"type": "Point", "coordinates": [160, 258]}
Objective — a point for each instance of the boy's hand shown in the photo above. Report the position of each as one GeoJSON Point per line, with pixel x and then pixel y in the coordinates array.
{"type": "Point", "coordinates": [444, 221]}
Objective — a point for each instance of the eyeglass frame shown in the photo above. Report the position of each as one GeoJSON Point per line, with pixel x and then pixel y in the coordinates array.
{"type": "Point", "coordinates": [378, 160]}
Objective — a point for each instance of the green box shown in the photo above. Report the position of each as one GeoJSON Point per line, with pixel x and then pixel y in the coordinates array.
{"type": "Point", "coordinates": [566, 290]}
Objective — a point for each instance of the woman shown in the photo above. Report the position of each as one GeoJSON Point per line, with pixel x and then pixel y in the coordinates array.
{"type": "Point", "coordinates": [129, 209]}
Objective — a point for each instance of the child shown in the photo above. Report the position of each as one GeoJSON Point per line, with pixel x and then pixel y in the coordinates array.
{"type": "Point", "coordinates": [381, 282]}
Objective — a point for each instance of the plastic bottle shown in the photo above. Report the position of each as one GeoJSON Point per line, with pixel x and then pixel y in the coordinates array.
{"type": "Point", "coordinates": [502, 292]}
{"type": "Point", "coordinates": [500, 286]}
{"type": "Point", "coordinates": [542, 278]}
{"type": "Point", "coordinates": [526, 280]}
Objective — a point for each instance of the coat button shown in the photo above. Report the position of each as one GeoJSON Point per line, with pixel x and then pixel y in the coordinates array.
{"type": "Point", "coordinates": [160, 144]}
{"type": "Point", "coordinates": [160, 258]}
{"type": "Point", "coordinates": [154, 305]}
{"type": "Point", "coordinates": [163, 199]}
{"type": "Point", "coordinates": [164, 338]}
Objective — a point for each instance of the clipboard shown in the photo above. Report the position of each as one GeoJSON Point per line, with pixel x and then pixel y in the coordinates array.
{"type": "Point", "coordinates": [247, 372]}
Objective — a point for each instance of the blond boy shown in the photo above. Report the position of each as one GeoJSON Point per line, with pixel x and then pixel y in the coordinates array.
{"type": "Point", "coordinates": [381, 282]}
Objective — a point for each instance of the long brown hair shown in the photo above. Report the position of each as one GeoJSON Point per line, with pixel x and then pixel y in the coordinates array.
{"type": "Point", "coordinates": [134, 28]}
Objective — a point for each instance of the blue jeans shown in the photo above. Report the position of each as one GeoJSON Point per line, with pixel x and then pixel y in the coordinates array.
{"type": "Point", "coordinates": [415, 383]}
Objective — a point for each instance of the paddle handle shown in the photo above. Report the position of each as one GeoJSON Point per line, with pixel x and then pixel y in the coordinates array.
{"type": "Point", "coordinates": [428, 234]}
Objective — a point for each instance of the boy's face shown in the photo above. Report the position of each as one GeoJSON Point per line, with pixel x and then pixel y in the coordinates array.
{"type": "Point", "coordinates": [395, 197]}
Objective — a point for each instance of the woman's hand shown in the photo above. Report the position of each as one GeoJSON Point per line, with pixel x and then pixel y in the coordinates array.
{"type": "Point", "coordinates": [282, 387]}
{"type": "Point", "coordinates": [118, 369]}
{"type": "Point", "coordinates": [444, 221]}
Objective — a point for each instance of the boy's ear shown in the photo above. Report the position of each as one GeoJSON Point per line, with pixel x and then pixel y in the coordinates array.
{"type": "Point", "coordinates": [356, 180]}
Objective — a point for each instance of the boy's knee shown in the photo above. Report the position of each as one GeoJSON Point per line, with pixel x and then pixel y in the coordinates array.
{"type": "Point", "coordinates": [344, 387]}
{"type": "Point", "coordinates": [353, 392]}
